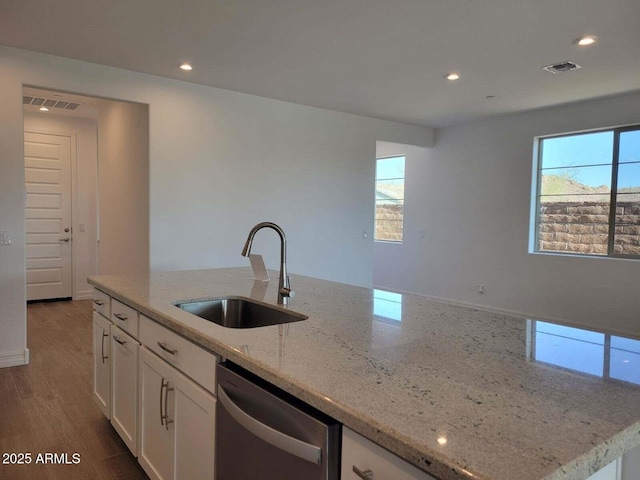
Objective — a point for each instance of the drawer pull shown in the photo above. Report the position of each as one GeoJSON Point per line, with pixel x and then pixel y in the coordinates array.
{"type": "Point", "coordinates": [163, 346]}
{"type": "Point", "coordinates": [99, 303]}
{"type": "Point", "coordinates": [121, 342]}
{"type": "Point", "coordinates": [364, 474]}
{"type": "Point", "coordinates": [120, 316]}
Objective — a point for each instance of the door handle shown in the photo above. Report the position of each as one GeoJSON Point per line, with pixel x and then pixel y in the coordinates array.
{"type": "Point", "coordinates": [67, 239]}
{"type": "Point", "coordinates": [300, 449]}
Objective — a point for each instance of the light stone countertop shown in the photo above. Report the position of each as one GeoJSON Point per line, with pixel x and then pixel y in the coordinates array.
{"type": "Point", "coordinates": [443, 371]}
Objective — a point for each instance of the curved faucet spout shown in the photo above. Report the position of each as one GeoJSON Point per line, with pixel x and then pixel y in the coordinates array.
{"type": "Point", "coordinates": [284, 287]}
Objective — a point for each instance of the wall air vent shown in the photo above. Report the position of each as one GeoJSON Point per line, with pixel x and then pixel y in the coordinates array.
{"type": "Point", "coordinates": [561, 67]}
{"type": "Point", "coordinates": [45, 102]}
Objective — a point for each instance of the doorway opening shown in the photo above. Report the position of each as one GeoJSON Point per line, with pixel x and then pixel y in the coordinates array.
{"type": "Point", "coordinates": [82, 156]}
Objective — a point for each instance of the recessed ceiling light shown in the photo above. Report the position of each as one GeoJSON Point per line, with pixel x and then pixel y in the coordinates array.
{"type": "Point", "coordinates": [584, 41]}
{"type": "Point", "coordinates": [452, 76]}
{"type": "Point", "coordinates": [186, 67]}
{"type": "Point", "coordinates": [44, 109]}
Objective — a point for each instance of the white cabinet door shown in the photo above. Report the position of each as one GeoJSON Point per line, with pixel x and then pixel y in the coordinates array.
{"type": "Point", "coordinates": [124, 387]}
{"type": "Point", "coordinates": [374, 461]}
{"type": "Point", "coordinates": [610, 472]}
{"type": "Point", "coordinates": [157, 431]}
{"type": "Point", "coordinates": [195, 411]}
{"type": "Point", "coordinates": [102, 363]}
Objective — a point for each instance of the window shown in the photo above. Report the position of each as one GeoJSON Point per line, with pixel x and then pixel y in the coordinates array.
{"type": "Point", "coordinates": [588, 193]}
{"type": "Point", "coordinates": [389, 199]}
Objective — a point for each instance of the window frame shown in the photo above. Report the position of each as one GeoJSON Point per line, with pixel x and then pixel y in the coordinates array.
{"type": "Point", "coordinates": [375, 203]}
{"type": "Point", "coordinates": [538, 153]}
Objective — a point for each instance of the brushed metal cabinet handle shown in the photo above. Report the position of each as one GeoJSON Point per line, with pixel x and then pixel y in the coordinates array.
{"type": "Point", "coordinates": [164, 417]}
{"type": "Point", "coordinates": [120, 316]}
{"type": "Point", "coordinates": [364, 474]}
{"type": "Point", "coordinates": [99, 303]}
{"type": "Point", "coordinates": [164, 347]}
{"type": "Point", "coordinates": [121, 342]}
{"type": "Point", "coordinates": [162, 385]}
{"type": "Point", "coordinates": [103, 336]}
{"type": "Point", "coordinates": [166, 410]}
{"type": "Point", "coordinates": [65, 239]}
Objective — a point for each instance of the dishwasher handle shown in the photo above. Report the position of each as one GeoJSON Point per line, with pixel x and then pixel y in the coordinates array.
{"type": "Point", "coordinates": [280, 440]}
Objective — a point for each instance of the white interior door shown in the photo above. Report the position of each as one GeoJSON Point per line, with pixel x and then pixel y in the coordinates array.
{"type": "Point", "coordinates": [48, 215]}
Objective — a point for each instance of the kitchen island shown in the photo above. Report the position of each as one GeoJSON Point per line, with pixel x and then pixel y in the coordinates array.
{"type": "Point", "coordinates": [452, 390]}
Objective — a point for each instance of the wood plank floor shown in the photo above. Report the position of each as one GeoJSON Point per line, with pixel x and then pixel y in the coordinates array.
{"type": "Point", "coordinates": [46, 406]}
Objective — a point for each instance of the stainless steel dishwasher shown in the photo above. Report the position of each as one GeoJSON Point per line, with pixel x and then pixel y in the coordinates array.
{"type": "Point", "coordinates": [264, 433]}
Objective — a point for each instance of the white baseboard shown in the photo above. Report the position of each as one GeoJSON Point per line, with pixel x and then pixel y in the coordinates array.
{"type": "Point", "coordinates": [84, 295]}
{"type": "Point", "coordinates": [12, 359]}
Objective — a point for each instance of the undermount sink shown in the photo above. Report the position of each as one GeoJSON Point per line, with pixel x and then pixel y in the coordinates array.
{"type": "Point", "coordinates": [238, 312]}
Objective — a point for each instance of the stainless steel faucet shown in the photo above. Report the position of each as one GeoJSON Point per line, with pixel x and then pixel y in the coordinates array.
{"type": "Point", "coordinates": [284, 287]}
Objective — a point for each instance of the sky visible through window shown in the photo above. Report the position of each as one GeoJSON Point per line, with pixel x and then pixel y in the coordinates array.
{"type": "Point", "coordinates": [580, 157]}
{"type": "Point", "coordinates": [390, 168]}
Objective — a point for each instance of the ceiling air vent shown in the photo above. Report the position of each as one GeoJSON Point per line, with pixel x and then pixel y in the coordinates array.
{"type": "Point", "coordinates": [45, 102]}
{"type": "Point", "coordinates": [561, 67]}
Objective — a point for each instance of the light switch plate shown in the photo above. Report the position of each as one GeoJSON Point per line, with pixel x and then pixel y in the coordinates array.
{"type": "Point", "coordinates": [5, 238]}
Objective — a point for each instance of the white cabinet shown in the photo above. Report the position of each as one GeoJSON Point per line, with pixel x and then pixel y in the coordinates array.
{"type": "Point", "coordinates": [156, 438]}
{"type": "Point", "coordinates": [610, 472]}
{"type": "Point", "coordinates": [374, 462]}
{"type": "Point", "coordinates": [195, 422]}
{"type": "Point", "coordinates": [124, 387]}
{"type": "Point", "coordinates": [177, 427]}
{"type": "Point", "coordinates": [102, 363]}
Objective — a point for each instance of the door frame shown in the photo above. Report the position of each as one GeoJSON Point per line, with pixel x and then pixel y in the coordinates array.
{"type": "Point", "coordinates": [74, 189]}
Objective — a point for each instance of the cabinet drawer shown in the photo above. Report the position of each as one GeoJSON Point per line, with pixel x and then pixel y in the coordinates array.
{"type": "Point", "coordinates": [365, 455]}
{"type": "Point", "coordinates": [125, 317]}
{"type": "Point", "coordinates": [102, 303]}
{"type": "Point", "coordinates": [186, 356]}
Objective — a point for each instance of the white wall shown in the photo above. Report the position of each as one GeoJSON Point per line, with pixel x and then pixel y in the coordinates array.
{"type": "Point", "coordinates": [13, 332]}
{"type": "Point", "coordinates": [220, 162]}
{"type": "Point", "coordinates": [123, 185]}
{"type": "Point", "coordinates": [472, 196]}
{"type": "Point", "coordinates": [84, 187]}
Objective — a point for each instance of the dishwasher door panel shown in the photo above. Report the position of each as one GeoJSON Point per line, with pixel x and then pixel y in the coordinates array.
{"type": "Point", "coordinates": [260, 435]}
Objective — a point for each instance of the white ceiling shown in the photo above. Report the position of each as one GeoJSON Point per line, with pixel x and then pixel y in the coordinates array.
{"type": "Point", "coordinates": [379, 58]}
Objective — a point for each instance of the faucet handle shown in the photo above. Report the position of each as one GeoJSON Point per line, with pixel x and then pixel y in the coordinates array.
{"type": "Point", "coordinates": [287, 292]}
